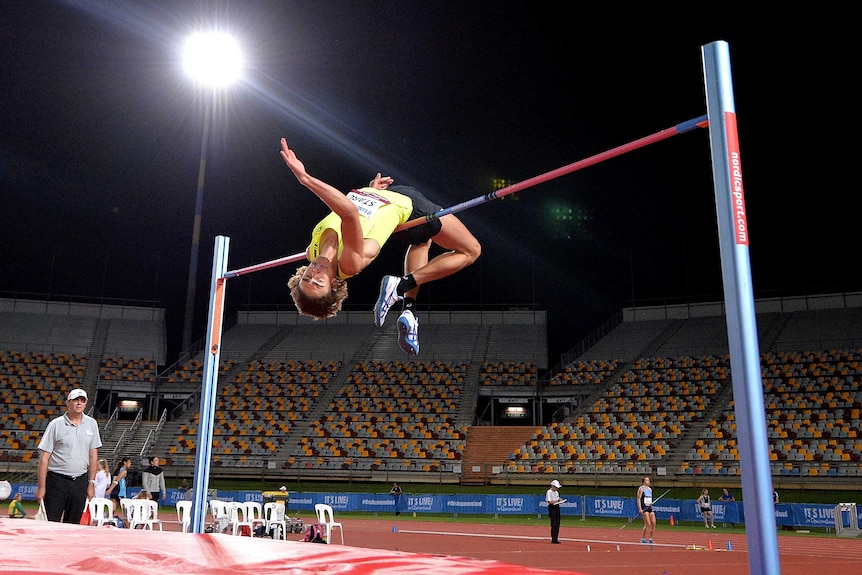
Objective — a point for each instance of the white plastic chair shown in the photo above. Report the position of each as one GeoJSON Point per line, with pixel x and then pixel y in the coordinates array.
{"type": "Point", "coordinates": [154, 513]}
{"type": "Point", "coordinates": [239, 518]}
{"type": "Point", "coordinates": [184, 515]}
{"type": "Point", "coordinates": [128, 509]}
{"type": "Point", "coordinates": [143, 513]}
{"type": "Point", "coordinates": [254, 515]}
{"type": "Point", "coordinates": [102, 511]}
{"type": "Point", "coordinates": [326, 517]}
{"type": "Point", "coordinates": [220, 515]}
{"type": "Point", "coordinates": [276, 525]}
{"type": "Point", "coordinates": [138, 514]}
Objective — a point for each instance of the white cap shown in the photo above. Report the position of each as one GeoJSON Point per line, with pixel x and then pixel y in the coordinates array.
{"type": "Point", "coordinates": [282, 488]}
{"type": "Point", "coordinates": [76, 393]}
{"type": "Point", "coordinates": [556, 484]}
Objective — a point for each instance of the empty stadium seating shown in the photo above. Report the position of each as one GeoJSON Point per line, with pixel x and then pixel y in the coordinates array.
{"type": "Point", "coordinates": [33, 387]}
{"type": "Point", "coordinates": [657, 394]}
{"type": "Point", "coordinates": [397, 416]}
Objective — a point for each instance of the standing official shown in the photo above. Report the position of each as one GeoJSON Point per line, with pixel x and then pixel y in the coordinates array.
{"type": "Point", "coordinates": [552, 497]}
{"type": "Point", "coordinates": [68, 462]}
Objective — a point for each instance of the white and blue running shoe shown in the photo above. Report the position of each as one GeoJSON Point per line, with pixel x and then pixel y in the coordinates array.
{"type": "Point", "coordinates": [388, 296]}
{"type": "Point", "coordinates": [408, 332]}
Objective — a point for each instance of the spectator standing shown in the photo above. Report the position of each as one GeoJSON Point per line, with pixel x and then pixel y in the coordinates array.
{"type": "Point", "coordinates": [121, 475]}
{"type": "Point", "coordinates": [117, 489]}
{"type": "Point", "coordinates": [706, 509]}
{"type": "Point", "coordinates": [153, 480]}
{"type": "Point", "coordinates": [103, 478]}
{"type": "Point", "coordinates": [644, 501]}
{"type": "Point", "coordinates": [396, 492]}
{"type": "Point", "coordinates": [727, 497]}
{"type": "Point", "coordinates": [774, 504]}
{"type": "Point", "coordinates": [68, 462]}
{"type": "Point", "coordinates": [552, 497]}
{"type": "Point", "coordinates": [16, 509]}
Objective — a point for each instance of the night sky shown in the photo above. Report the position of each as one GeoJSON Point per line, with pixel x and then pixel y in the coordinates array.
{"type": "Point", "coordinates": [101, 128]}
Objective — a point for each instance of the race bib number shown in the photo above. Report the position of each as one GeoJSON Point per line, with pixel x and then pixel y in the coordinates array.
{"type": "Point", "coordinates": [647, 500]}
{"type": "Point", "coordinates": [366, 203]}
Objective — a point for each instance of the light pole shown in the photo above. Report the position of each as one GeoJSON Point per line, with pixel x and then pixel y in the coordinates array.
{"type": "Point", "coordinates": [214, 61]}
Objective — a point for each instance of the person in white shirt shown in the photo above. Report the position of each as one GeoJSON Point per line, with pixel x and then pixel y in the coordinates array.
{"type": "Point", "coordinates": [103, 478]}
{"type": "Point", "coordinates": [552, 497]}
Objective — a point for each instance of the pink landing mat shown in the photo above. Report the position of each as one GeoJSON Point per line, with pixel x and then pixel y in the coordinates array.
{"type": "Point", "coordinates": [43, 547]}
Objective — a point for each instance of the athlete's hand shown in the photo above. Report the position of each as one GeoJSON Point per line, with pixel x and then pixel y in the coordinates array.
{"type": "Point", "coordinates": [289, 156]}
{"type": "Point", "coordinates": [380, 182]}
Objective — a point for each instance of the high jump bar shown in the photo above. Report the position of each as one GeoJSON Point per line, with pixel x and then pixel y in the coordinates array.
{"type": "Point", "coordinates": [681, 128]}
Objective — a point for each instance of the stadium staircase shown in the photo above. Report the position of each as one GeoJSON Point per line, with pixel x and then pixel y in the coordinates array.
{"type": "Point", "coordinates": [94, 363]}
{"type": "Point", "coordinates": [696, 431]}
{"type": "Point", "coordinates": [134, 434]}
{"type": "Point", "coordinates": [365, 352]}
{"type": "Point", "coordinates": [470, 393]}
{"type": "Point", "coordinates": [489, 447]}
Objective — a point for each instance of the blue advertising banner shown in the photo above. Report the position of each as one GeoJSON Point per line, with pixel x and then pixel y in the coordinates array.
{"type": "Point", "coordinates": [339, 501]}
{"type": "Point", "coordinates": [424, 503]}
{"type": "Point", "coordinates": [464, 504]}
{"type": "Point", "coordinates": [378, 503]}
{"type": "Point", "coordinates": [813, 515]}
{"type": "Point", "coordinates": [572, 506]}
{"type": "Point", "coordinates": [791, 514]}
{"type": "Point", "coordinates": [599, 506]}
{"type": "Point", "coordinates": [27, 491]}
{"type": "Point", "coordinates": [726, 512]}
{"type": "Point", "coordinates": [667, 508]}
{"type": "Point", "coordinates": [515, 504]}
{"type": "Point", "coordinates": [679, 509]}
{"type": "Point", "coordinates": [300, 501]}
{"type": "Point", "coordinates": [784, 514]}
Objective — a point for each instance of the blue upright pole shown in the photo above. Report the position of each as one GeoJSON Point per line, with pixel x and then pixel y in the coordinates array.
{"type": "Point", "coordinates": [751, 430]}
{"type": "Point", "coordinates": [209, 386]}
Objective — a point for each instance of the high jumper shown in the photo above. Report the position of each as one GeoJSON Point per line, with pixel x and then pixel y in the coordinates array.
{"type": "Point", "coordinates": [347, 240]}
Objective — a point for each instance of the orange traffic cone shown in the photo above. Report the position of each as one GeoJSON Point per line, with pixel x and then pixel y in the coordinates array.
{"type": "Point", "coordinates": [672, 521]}
{"type": "Point", "coordinates": [709, 544]}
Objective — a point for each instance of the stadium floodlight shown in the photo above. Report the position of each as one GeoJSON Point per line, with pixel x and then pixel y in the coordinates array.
{"type": "Point", "coordinates": [213, 60]}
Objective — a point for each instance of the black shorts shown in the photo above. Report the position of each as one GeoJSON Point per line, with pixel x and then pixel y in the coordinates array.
{"type": "Point", "coordinates": [705, 509]}
{"type": "Point", "coordinates": [422, 206]}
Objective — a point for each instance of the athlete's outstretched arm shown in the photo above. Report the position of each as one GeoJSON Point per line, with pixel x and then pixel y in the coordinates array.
{"type": "Point", "coordinates": [351, 231]}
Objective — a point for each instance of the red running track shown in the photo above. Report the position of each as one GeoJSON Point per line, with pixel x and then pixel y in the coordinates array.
{"type": "Point", "coordinates": [603, 551]}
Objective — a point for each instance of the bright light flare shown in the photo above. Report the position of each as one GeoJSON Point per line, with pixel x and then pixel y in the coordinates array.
{"type": "Point", "coordinates": [213, 58]}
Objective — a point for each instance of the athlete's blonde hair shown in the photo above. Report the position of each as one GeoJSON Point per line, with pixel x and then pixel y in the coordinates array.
{"type": "Point", "coordinates": [319, 308]}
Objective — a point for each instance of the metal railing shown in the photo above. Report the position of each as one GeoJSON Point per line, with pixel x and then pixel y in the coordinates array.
{"type": "Point", "coordinates": [153, 435]}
